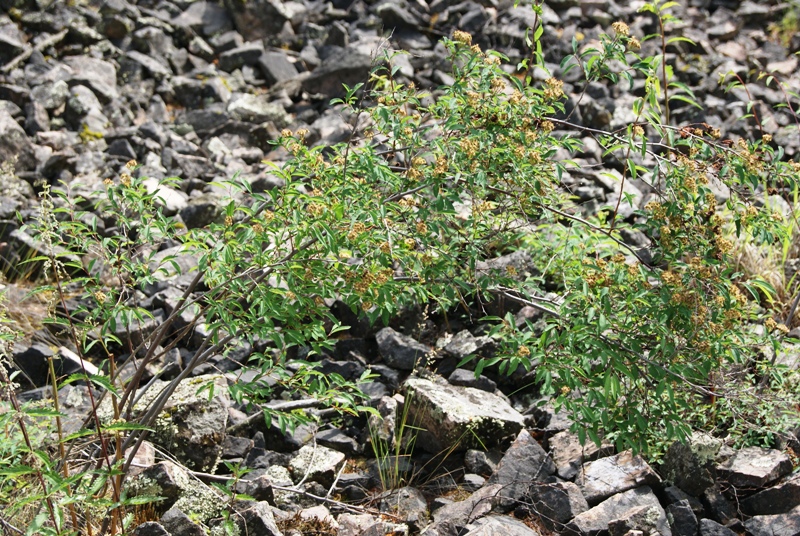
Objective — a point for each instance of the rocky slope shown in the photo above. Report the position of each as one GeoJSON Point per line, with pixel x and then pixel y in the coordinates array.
{"type": "Point", "coordinates": [199, 89]}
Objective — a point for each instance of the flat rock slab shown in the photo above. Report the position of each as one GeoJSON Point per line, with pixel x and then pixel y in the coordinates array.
{"type": "Point", "coordinates": [500, 525]}
{"type": "Point", "coordinates": [557, 502]}
{"type": "Point", "coordinates": [524, 463]}
{"type": "Point", "coordinates": [755, 467]}
{"type": "Point", "coordinates": [778, 499]}
{"type": "Point", "coordinates": [605, 477]}
{"type": "Point", "coordinates": [594, 522]}
{"type": "Point", "coordinates": [457, 417]}
{"type": "Point", "coordinates": [787, 524]}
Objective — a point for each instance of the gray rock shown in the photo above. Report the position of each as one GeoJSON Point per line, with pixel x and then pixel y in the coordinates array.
{"type": "Point", "coordinates": [400, 351]}
{"type": "Point", "coordinates": [453, 518]}
{"type": "Point", "coordinates": [367, 525]}
{"type": "Point", "coordinates": [458, 418]}
{"type": "Point", "coordinates": [569, 455]}
{"type": "Point", "coordinates": [99, 75]}
{"type": "Point", "coordinates": [594, 522]}
{"type": "Point", "coordinates": [263, 19]}
{"type": "Point", "coordinates": [349, 66]}
{"type": "Point", "coordinates": [717, 506]}
{"type": "Point", "coordinates": [192, 426]}
{"type": "Point", "coordinates": [257, 109]}
{"type": "Point", "coordinates": [156, 69]}
{"type": "Point", "coordinates": [464, 343]}
{"type": "Point", "coordinates": [557, 502]}
{"type": "Point", "coordinates": [150, 528]}
{"type": "Point", "coordinates": [709, 527]}
{"type": "Point", "coordinates": [179, 524]}
{"type": "Point", "coordinates": [408, 504]}
{"type": "Point", "coordinates": [51, 95]}
{"type": "Point", "coordinates": [258, 521]}
{"type": "Point", "coordinates": [481, 462]}
{"type": "Point", "coordinates": [36, 118]}
{"type": "Point", "coordinates": [524, 463]}
{"type": "Point", "coordinates": [14, 143]}
{"type": "Point", "coordinates": [682, 519]}
{"type": "Point", "coordinates": [786, 524]}
{"type": "Point", "coordinates": [642, 519]}
{"type": "Point", "coordinates": [755, 467]}
{"type": "Point", "coordinates": [276, 67]}
{"type": "Point", "coordinates": [171, 199]}
{"type": "Point", "coordinates": [691, 466]}
{"type": "Point", "coordinates": [207, 17]}
{"type": "Point", "coordinates": [316, 463]}
{"type": "Point", "coordinates": [777, 499]}
{"type": "Point", "coordinates": [247, 54]}
{"type": "Point", "coordinates": [497, 525]}
{"type": "Point", "coordinates": [466, 378]}
{"type": "Point", "coordinates": [202, 211]}
{"type": "Point", "coordinates": [605, 477]}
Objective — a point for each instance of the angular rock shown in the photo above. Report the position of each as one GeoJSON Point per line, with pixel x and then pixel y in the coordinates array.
{"type": "Point", "coordinates": [755, 467]}
{"type": "Point", "coordinates": [605, 477]}
{"type": "Point", "coordinates": [150, 528]}
{"type": "Point", "coordinates": [257, 109]}
{"type": "Point", "coordinates": [99, 75]}
{"type": "Point", "coordinates": [368, 525]}
{"type": "Point", "coordinates": [778, 499]}
{"type": "Point", "coordinates": [716, 506]}
{"type": "Point", "coordinates": [524, 463]}
{"type": "Point", "coordinates": [348, 66]}
{"type": "Point", "coordinates": [556, 503]}
{"type": "Point", "coordinates": [235, 58]}
{"type": "Point", "coordinates": [642, 519]}
{"type": "Point", "coordinates": [459, 418]}
{"type": "Point", "coordinates": [207, 17]}
{"type": "Point", "coordinates": [51, 95]}
{"type": "Point", "coordinates": [691, 466]}
{"type": "Point", "coordinates": [496, 525]}
{"type": "Point", "coordinates": [14, 143]}
{"type": "Point", "coordinates": [466, 378]}
{"type": "Point", "coordinates": [276, 67]}
{"type": "Point", "coordinates": [408, 504]}
{"type": "Point", "coordinates": [682, 519]}
{"type": "Point", "coordinates": [569, 455]}
{"type": "Point", "coordinates": [400, 351]}
{"type": "Point", "coordinates": [262, 19]}
{"type": "Point", "coordinates": [258, 520]}
{"type": "Point", "coordinates": [709, 527]}
{"type": "Point", "coordinates": [452, 518]}
{"type": "Point", "coordinates": [316, 463]}
{"type": "Point", "coordinates": [594, 522]}
{"type": "Point", "coordinates": [180, 524]}
{"type": "Point", "coordinates": [787, 524]}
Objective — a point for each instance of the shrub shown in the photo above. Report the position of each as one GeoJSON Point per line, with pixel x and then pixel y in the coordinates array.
{"type": "Point", "coordinates": [640, 346]}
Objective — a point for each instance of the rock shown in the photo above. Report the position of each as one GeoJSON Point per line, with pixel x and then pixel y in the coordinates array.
{"type": "Point", "coordinates": [717, 506]}
{"type": "Point", "coordinates": [786, 524]}
{"type": "Point", "coordinates": [691, 466]}
{"type": "Point", "coordinates": [481, 462]}
{"type": "Point", "coordinates": [400, 351]}
{"type": "Point", "coordinates": [454, 517]}
{"type": "Point", "coordinates": [276, 67]}
{"type": "Point", "coordinates": [191, 426]}
{"type": "Point", "coordinates": [180, 524]}
{"type": "Point", "coordinates": [51, 95]}
{"type": "Point", "coordinates": [556, 503]}
{"type": "Point", "coordinates": [348, 66]}
{"type": "Point", "coordinates": [605, 477]}
{"type": "Point", "coordinates": [408, 504]}
{"type": "Point", "coordinates": [681, 519]}
{"type": "Point", "coordinates": [496, 525]}
{"type": "Point", "coordinates": [778, 499]}
{"type": "Point", "coordinates": [316, 463]}
{"type": "Point", "coordinates": [263, 19]}
{"type": "Point", "coordinates": [258, 521]}
{"type": "Point", "coordinates": [150, 528]}
{"type": "Point", "coordinates": [524, 463]}
{"type": "Point", "coordinates": [99, 75]}
{"type": "Point", "coordinates": [466, 378]}
{"type": "Point", "coordinates": [568, 454]}
{"type": "Point", "coordinates": [644, 519]}
{"type": "Point", "coordinates": [595, 521]}
{"type": "Point", "coordinates": [207, 17]}
{"type": "Point", "coordinates": [14, 143]}
{"type": "Point", "coordinates": [755, 467]}
{"type": "Point", "coordinates": [201, 211]}
{"type": "Point", "coordinates": [709, 527]}
{"type": "Point", "coordinates": [156, 69]}
{"type": "Point", "coordinates": [464, 343]}
{"type": "Point", "coordinates": [256, 109]}
{"type": "Point", "coordinates": [367, 525]}
{"type": "Point", "coordinates": [235, 58]}
{"type": "Point", "coordinates": [459, 418]}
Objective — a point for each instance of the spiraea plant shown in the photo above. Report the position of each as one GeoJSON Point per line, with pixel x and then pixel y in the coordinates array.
{"type": "Point", "coordinates": [641, 346]}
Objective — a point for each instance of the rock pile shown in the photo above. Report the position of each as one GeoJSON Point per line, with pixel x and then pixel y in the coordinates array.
{"type": "Point", "coordinates": [198, 89]}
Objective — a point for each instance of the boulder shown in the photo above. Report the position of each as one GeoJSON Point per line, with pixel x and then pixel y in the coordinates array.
{"type": "Point", "coordinates": [605, 477]}
{"type": "Point", "coordinates": [400, 351]}
{"type": "Point", "coordinates": [755, 467]}
{"type": "Point", "coordinates": [524, 463]}
{"type": "Point", "coordinates": [458, 418]}
{"type": "Point", "coordinates": [595, 521]}
{"type": "Point", "coordinates": [786, 524]}
{"type": "Point", "coordinates": [778, 499]}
